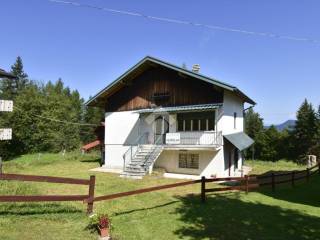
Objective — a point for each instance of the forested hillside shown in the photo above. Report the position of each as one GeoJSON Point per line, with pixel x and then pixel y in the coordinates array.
{"type": "Point", "coordinates": [47, 117]}
{"type": "Point", "coordinates": [293, 143]}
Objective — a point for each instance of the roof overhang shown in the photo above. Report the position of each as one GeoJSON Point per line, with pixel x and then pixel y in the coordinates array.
{"type": "Point", "coordinates": [148, 62]}
{"type": "Point", "coordinates": [240, 140]}
{"type": "Point", "coordinates": [187, 108]}
{"type": "Point", "coordinates": [4, 74]}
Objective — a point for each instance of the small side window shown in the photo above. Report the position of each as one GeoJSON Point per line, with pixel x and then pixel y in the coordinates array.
{"type": "Point", "coordinates": [235, 120]}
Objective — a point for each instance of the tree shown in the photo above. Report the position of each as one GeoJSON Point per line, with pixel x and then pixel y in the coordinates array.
{"type": "Point", "coordinates": [91, 115]}
{"type": "Point", "coordinates": [306, 130]}
{"type": "Point", "coordinates": [315, 150]}
{"type": "Point", "coordinates": [268, 142]}
{"type": "Point", "coordinates": [253, 123]}
{"type": "Point", "coordinates": [11, 87]}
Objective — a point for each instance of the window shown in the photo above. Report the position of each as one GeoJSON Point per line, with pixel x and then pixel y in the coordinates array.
{"type": "Point", "coordinates": [161, 98]}
{"type": "Point", "coordinates": [196, 121]}
{"type": "Point", "coordinates": [235, 120]}
{"type": "Point", "coordinates": [189, 160]}
{"type": "Point", "coordinates": [183, 160]}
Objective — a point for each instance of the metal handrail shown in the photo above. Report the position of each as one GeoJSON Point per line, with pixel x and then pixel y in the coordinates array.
{"type": "Point", "coordinates": [200, 138]}
{"type": "Point", "coordinates": [130, 149]}
{"type": "Point", "coordinates": [156, 146]}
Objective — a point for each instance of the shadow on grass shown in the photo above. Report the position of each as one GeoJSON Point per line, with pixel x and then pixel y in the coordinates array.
{"type": "Point", "coordinates": [22, 209]}
{"type": "Point", "coordinates": [91, 160]}
{"type": "Point", "coordinates": [222, 217]}
{"type": "Point", "coordinates": [144, 209]}
{"type": "Point", "coordinates": [306, 193]}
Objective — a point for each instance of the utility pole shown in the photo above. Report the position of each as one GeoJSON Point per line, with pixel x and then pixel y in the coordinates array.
{"type": "Point", "coordinates": [5, 106]}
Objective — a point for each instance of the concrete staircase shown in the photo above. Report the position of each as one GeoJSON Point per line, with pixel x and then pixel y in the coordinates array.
{"type": "Point", "coordinates": [144, 157]}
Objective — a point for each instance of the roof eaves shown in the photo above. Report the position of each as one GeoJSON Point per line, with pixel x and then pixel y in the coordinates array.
{"type": "Point", "coordinates": [244, 96]}
{"type": "Point", "coordinates": [176, 68]}
{"type": "Point", "coordinates": [6, 74]}
{"type": "Point", "coordinates": [184, 108]}
{"type": "Point", "coordinates": [115, 81]}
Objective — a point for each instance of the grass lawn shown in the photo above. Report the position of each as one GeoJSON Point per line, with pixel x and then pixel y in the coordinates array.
{"type": "Point", "coordinates": [168, 214]}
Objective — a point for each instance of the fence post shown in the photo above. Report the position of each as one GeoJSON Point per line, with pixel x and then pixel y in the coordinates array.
{"type": "Point", "coordinates": [273, 182]}
{"type": "Point", "coordinates": [247, 183]}
{"type": "Point", "coordinates": [308, 174]}
{"type": "Point", "coordinates": [292, 178]}
{"type": "Point", "coordinates": [203, 189]}
{"type": "Point", "coordinates": [91, 194]}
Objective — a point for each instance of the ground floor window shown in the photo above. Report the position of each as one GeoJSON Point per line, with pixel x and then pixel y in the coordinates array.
{"type": "Point", "coordinates": [189, 160]}
{"type": "Point", "coordinates": [196, 121]}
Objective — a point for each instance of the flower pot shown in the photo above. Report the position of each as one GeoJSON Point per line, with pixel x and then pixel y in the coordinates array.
{"type": "Point", "coordinates": [104, 232]}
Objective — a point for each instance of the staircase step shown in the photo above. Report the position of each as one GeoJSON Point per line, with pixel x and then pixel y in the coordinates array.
{"type": "Point", "coordinates": [130, 176]}
{"type": "Point", "coordinates": [138, 166]}
{"type": "Point", "coordinates": [136, 169]}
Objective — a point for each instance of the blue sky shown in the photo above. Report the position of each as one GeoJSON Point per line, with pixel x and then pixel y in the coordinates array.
{"type": "Point", "coordinates": [88, 48]}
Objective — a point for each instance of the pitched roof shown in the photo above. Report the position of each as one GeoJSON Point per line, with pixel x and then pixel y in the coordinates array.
{"type": "Point", "coordinates": [151, 60]}
{"type": "Point", "coordinates": [6, 74]}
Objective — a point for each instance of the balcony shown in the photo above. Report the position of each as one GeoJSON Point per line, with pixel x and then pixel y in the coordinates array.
{"type": "Point", "coordinates": [195, 138]}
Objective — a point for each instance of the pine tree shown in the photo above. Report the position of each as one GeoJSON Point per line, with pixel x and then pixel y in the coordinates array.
{"type": "Point", "coordinates": [22, 78]}
{"type": "Point", "coordinates": [11, 87]}
{"type": "Point", "coordinates": [315, 150]}
{"type": "Point", "coordinates": [305, 132]}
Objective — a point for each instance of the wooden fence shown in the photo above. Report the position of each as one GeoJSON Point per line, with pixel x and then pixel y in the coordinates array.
{"type": "Point", "coordinates": [46, 198]}
{"type": "Point", "coordinates": [245, 183]}
{"type": "Point", "coordinates": [274, 179]}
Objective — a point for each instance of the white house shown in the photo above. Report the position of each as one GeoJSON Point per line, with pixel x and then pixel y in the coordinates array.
{"type": "Point", "coordinates": [161, 115]}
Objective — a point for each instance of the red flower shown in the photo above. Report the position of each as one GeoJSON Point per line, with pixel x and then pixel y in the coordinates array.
{"type": "Point", "coordinates": [104, 221]}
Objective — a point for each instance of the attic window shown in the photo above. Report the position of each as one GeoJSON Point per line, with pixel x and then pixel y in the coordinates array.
{"type": "Point", "coordinates": [160, 95]}
{"type": "Point", "coordinates": [161, 98]}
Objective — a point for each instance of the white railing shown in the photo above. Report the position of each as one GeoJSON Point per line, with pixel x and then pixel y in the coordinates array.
{"type": "Point", "coordinates": [194, 138]}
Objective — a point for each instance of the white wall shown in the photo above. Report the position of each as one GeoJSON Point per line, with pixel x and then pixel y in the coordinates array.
{"type": "Point", "coordinates": [121, 130]}
{"type": "Point", "coordinates": [210, 162]}
{"type": "Point", "coordinates": [146, 126]}
{"type": "Point", "coordinates": [231, 104]}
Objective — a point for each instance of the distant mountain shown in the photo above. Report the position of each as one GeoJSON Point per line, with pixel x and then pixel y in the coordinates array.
{"type": "Point", "coordinates": [289, 124]}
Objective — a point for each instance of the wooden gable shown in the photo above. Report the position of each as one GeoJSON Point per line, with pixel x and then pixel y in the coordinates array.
{"type": "Point", "coordinates": [158, 86]}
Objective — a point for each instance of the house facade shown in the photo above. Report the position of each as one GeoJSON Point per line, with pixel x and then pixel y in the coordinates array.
{"type": "Point", "coordinates": [161, 115]}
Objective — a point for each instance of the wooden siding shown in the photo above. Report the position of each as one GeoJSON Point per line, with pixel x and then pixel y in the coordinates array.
{"type": "Point", "coordinates": [178, 89]}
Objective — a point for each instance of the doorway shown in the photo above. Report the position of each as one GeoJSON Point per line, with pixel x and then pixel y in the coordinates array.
{"type": "Point", "coordinates": [161, 127]}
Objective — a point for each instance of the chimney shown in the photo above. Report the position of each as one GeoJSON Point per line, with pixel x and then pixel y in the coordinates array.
{"type": "Point", "coordinates": [196, 68]}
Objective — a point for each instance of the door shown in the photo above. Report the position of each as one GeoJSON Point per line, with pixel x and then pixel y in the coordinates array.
{"type": "Point", "coordinates": [161, 127]}
{"type": "Point", "coordinates": [236, 159]}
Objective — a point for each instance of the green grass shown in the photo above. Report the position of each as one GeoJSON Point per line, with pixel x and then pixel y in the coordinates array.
{"type": "Point", "coordinates": [168, 214]}
{"type": "Point", "coordinates": [260, 167]}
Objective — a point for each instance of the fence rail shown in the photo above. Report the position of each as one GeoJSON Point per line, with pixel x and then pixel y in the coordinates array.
{"type": "Point", "coordinates": [34, 178]}
{"type": "Point", "coordinates": [52, 198]}
{"type": "Point", "coordinates": [143, 190]}
{"type": "Point", "coordinates": [245, 183]}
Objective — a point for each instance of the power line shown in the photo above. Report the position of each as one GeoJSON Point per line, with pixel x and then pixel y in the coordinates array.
{"type": "Point", "coordinates": [57, 120]}
{"type": "Point", "coordinates": [184, 22]}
